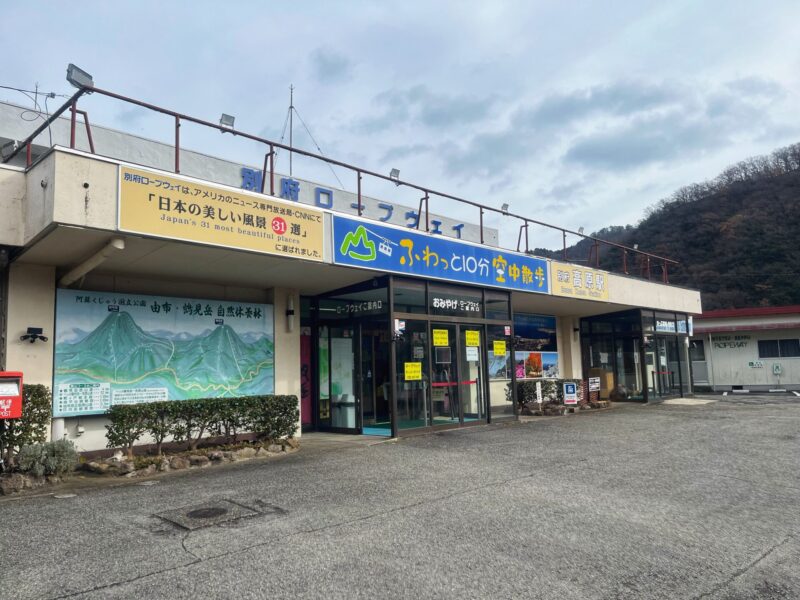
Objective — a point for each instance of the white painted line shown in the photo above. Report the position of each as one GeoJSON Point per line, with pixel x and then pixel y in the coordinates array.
{"type": "Point", "coordinates": [724, 393]}
{"type": "Point", "coordinates": [63, 496]}
{"type": "Point", "coordinates": [796, 394]}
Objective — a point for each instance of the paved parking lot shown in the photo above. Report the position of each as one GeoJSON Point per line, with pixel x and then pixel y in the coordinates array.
{"type": "Point", "coordinates": [674, 500]}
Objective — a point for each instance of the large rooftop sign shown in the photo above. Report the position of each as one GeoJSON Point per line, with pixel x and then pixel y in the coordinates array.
{"type": "Point", "coordinates": [153, 203]}
{"type": "Point", "coordinates": [368, 245]}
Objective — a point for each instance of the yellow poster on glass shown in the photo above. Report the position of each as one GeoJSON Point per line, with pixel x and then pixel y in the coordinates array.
{"type": "Point", "coordinates": [499, 348]}
{"type": "Point", "coordinates": [412, 371]}
{"type": "Point", "coordinates": [473, 338]}
{"type": "Point", "coordinates": [167, 206]}
{"type": "Point", "coordinates": [440, 337]}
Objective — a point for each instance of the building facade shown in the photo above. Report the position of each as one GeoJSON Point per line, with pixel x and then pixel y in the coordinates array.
{"type": "Point", "coordinates": [747, 349]}
{"type": "Point", "coordinates": [155, 285]}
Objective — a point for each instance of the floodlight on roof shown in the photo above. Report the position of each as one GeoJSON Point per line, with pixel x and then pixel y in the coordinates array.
{"type": "Point", "coordinates": [580, 230]}
{"type": "Point", "coordinates": [504, 208]}
{"type": "Point", "coordinates": [227, 120]}
{"type": "Point", "coordinates": [394, 174]}
{"type": "Point", "coordinates": [78, 77]}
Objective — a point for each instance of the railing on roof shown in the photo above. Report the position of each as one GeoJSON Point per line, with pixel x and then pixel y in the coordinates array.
{"type": "Point", "coordinates": [646, 261]}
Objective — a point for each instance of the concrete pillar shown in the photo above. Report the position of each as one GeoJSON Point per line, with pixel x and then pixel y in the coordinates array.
{"type": "Point", "coordinates": [287, 343]}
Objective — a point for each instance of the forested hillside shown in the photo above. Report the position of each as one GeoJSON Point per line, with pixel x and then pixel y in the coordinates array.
{"type": "Point", "coordinates": [737, 237]}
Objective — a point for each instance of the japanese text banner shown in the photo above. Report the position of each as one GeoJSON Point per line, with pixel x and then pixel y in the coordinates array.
{"type": "Point", "coordinates": [153, 203]}
{"type": "Point", "coordinates": [373, 246]}
{"type": "Point", "coordinates": [579, 282]}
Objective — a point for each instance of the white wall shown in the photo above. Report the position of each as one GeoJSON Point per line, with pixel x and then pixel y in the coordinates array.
{"type": "Point", "coordinates": [732, 360]}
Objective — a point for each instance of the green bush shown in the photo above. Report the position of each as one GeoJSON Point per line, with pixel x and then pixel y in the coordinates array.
{"type": "Point", "coordinates": [32, 427]}
{"type": "Point", "coordinates": [49, 458]}
{"type": "Point", "coordinates": [269, 417]}
{"type": "Point", "coordinates": [274, 417]}
{"type": "Point", "coordinates": [159, 419]}
{"type": "Point", "coordinates": [128, 423]}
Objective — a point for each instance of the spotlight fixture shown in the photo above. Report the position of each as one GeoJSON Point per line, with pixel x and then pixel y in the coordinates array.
{"type": "Point", "coordinates": [227, 121]}
{"type": "Point", "coordinates": [394, 175]}
{"type": "Point", "coordinates": [78, 77]}
{"type": "Point", "coordinates": [636, 246]}
{"type": "Point", "coordinates": [33, 334]}
{"type": "Point", "coordinates": [580, 230]}
{"type": "Point", "coordinates": [504, 208]}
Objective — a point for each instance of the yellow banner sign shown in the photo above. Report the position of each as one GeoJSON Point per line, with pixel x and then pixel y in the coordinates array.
{"type": "Point", "coordinates": [499, 348]}
{"type": "Point", "coordinates": [413, 371]}
{"type": "Point", "coordinates": [578, 282]}
{"type": "Point", "coordinates": [440, 337]}
{"type": "Point", "coordinates": [165, 206]}
{"type": "Point", "coordinates": [473, 338]}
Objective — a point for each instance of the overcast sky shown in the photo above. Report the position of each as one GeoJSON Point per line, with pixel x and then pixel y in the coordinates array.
{"type": "Point", "coordinates": [575, 113]}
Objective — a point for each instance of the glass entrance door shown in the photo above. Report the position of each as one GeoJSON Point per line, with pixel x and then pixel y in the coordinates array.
{"type": "Point", "coordinates": [471, 381]}
{"type": "Point", "coordinates": [445, 393]}
{"type": "Point", "coordinates": [375, 379]}
{"type": "Point", "coordinates": [344, 401]}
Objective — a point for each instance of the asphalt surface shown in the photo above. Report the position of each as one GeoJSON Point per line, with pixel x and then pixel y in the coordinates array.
{"type": "Point", "coordinates": [659, 501]}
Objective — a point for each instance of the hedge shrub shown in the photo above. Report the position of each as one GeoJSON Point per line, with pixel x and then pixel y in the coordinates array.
{"type": "Point", "coordinates": [49, 458]}
{"type": "Point", "coordinates": [552, 390]}
{"type": "Point", "coordinates": [271, 418]}
{"type": "Point", "coordinates": [32, 427]}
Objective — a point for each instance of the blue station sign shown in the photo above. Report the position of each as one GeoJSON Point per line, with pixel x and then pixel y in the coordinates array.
{"type": "Point", "coordinates": [369, 245]}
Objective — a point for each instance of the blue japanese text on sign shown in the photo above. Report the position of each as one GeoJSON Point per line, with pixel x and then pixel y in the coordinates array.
{"type": "Point", "coordinates": [372, 246]}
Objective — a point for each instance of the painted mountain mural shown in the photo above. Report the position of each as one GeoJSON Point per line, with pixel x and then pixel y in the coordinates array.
{"type": "Point", "coordinates": [217, 362]}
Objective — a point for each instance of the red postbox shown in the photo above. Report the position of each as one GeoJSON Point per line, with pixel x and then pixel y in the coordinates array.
{"type": "Point", "coordinates": [10, 395]}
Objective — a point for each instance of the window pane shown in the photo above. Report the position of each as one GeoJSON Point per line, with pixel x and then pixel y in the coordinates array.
{"type": "Point", "coordinates": [768, 349]}
{"type": "Point", "coordinates": [790, 348]}
{"type": "Point", "coordinates": [696, 350]}
{"type": "Point", "coordinates": [455, 301]}
{"type": "Point", "coordinates": [499, 371]}
{"type": "Point", "coordinates": [497, 305]}
{"type": "Point", "coordinates": [409, 296]}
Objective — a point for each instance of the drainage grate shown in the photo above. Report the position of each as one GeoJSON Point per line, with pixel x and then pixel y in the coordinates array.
{"type": "Point", "coordinates": [206, 515]}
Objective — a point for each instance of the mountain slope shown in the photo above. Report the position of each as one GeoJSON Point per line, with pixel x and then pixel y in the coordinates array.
{"type": "Point", "coordinates": [736, 236]}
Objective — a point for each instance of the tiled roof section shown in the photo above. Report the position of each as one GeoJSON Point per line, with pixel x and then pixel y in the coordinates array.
{"type": "Point", "coordinates": [760, 311]}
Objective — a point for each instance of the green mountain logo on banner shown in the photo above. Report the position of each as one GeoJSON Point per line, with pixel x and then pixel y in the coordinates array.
{"type": "Point", "coordinates": [357, 238]}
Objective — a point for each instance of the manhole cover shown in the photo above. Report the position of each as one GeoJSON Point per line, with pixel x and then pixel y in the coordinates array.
{"type": "Point", "coordinates": [206, 515]}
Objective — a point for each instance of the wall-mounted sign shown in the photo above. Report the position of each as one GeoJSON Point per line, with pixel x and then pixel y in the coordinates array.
{"type": "Point", "coordinates": [412, 371]}
{"type": "Point", "coordinates": [456, 306]}
{"type": "Point", "coordinates": [578, 282]}
{"type": "Point", "coordinates": [473, 338]}
{"type": "Point", "coordinates": [369, 245]}
{"type": "Point", "coordinates": [440, 337]}
{"type": "Point", "coordinates": [499, 348]}
{"type": "Point", "coordinates": [166, 206]}
{"type": "Point", "coordinates": [472, 353]}
{"type": "Point", "coordinates": [665, 326]}
{"type": "Point", "coordinates": [755, 364]}
{"type": "Point", "coordinates": [729, 342]}
{"type": "Point", "coordinates": [113, 348]}
{"type": "Point", "coordinates": [594, 384]}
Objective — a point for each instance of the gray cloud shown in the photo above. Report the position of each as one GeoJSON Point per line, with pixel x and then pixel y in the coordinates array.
{"type": "Point", "coordinates": [631, 125]}
{"type": "Point", "coordinates": [404, 151]}
{"type": "Point", "coordinates": [328, 66]}
{"type": "Point", "coordinates": [419, 104]}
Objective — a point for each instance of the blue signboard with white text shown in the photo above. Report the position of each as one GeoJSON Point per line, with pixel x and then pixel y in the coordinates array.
{"type": "Point", "coordinates": [372, 246]}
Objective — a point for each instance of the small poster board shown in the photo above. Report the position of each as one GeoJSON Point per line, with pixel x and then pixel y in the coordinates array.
{"type": "Point", "coordinates": [499, 348]}
{"type": "Point", "coordinates": [539, 392]}
{"type": "Point", "coordinates": [594, 384]}
{"type": "Point", "coordinates": [473, 338]}
{"type": "Point", "coordinates": [472, 353]}
{"type": "Point", "coordinates": [570, 393]}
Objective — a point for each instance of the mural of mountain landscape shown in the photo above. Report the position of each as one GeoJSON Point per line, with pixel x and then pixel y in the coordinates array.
{"type": "Point", "coordinates": [218, 363]}
{"type": "Point", "coordinates": [114, 352]}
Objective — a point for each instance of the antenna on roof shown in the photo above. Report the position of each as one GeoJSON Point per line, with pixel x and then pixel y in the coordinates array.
{"type": "Point", "coordinates": [290, 122]}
